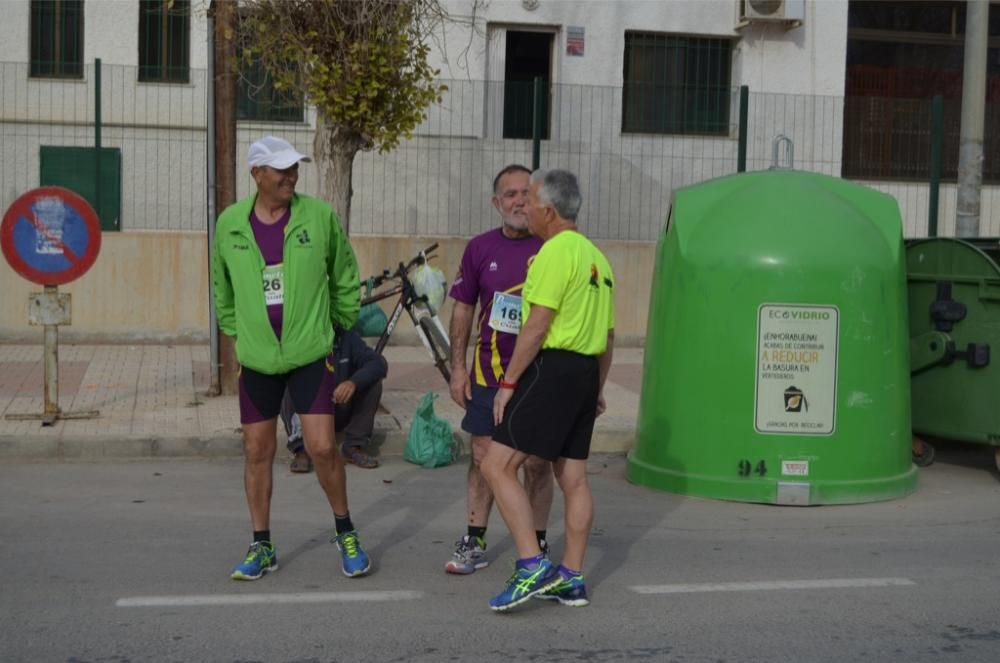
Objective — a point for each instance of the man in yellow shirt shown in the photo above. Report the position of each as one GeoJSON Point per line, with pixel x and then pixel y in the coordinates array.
{"type": "Point", "coordinates": [551, 392]}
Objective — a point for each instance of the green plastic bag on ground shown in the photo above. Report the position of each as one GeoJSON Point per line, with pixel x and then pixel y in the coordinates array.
{"type": "Point", "coordinates": [429, 442]}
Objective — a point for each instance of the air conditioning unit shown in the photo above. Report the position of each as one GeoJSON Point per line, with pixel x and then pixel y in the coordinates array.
{"type": "Point", "coordinates": [789, 12]}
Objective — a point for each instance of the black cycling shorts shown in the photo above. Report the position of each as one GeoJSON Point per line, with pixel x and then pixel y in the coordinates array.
{"type": "Point", "coordinates": [310, 386]}
{"type": "Point", "coordinates": [553, 409]}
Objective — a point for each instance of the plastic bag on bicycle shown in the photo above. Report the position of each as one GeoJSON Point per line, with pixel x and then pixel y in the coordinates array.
{"type": "Point", "coordinates": [372, 321]}
{"type": "Point", "coordinates": [429, 282]}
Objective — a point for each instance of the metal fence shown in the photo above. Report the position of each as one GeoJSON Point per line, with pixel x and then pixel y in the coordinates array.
{"type": "Point", "coordinates": [438, 183]}
{"type": "Point", "coordinates": [159, 129]}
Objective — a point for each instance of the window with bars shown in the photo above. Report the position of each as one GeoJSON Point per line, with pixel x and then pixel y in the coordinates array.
{"type": "Point", "coordinates": [676, 84]}
{"type": "Point", "coordinates": [164, 41]}
{"type": "Point", "coordinates": [256, 97]}
{"type": "Point", "coordinates": [56, 38]}
{"type": "Point", "coordinates": [900, 55]}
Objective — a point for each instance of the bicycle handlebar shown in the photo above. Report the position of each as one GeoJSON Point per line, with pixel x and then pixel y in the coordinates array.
{"type": "Point", "coordinates": [402, 270]}
{"type": "Point", "coordinates": [421, 257]}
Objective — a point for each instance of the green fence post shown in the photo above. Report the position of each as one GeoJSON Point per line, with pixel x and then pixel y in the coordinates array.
{"type": "Point", "coordinates": [937, 128]}
{"type": "Point", "coordinates": [536, 126]}
{"type": "Point", "coordinates": [741, 150]}
{"type": "Point", "coordinates": [97, 136]}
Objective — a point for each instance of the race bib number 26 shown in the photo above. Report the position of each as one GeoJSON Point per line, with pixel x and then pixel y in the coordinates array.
{"type": "Point", "coordinates": [506, 313]}
{"type": "Point", "coordinates": [274, 292]}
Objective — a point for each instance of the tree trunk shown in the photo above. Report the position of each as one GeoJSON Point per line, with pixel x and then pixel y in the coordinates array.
{"type": "Point", "coordinates": [334, 149]}
{"type": "Point", "coordinates": [225, 156]}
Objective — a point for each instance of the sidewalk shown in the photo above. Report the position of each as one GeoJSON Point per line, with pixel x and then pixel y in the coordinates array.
{"type": "Point", "coordinates": [152, 403]}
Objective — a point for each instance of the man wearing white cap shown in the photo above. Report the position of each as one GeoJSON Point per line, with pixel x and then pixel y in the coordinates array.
{"type": "Point", "coordinates": [284, 277]}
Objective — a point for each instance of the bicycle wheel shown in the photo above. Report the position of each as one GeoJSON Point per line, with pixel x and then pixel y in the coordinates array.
{"type": "Point", "coordinates": [438, 344]}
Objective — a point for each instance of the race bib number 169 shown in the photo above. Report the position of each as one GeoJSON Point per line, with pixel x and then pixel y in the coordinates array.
{"type": "Point", "coordinates": [506, 313]}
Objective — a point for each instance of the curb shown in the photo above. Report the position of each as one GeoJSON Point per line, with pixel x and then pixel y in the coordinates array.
{"type": "Point", "coordinates": [38, 447]}
{"type": "Point", "coordinates": [230, 445]}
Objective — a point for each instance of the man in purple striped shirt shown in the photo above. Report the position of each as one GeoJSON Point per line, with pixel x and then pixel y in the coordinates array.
{"type": "Point", "coordinates": [491, 275]}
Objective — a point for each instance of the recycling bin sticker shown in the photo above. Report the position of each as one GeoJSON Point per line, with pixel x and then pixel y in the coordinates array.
{"type": "Point", "coordinates": [796, 390]}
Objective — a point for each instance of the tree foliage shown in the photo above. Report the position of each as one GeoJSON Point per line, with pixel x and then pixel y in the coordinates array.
{"type": "Point", "coordinates": [361, 63]}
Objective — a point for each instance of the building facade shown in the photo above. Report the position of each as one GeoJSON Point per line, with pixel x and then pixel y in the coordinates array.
{"type": "Point", "coordinates": [638, 97]}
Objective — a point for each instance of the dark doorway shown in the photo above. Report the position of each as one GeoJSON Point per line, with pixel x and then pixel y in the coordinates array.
{"type": "Point", "coordinates": [529, 54]}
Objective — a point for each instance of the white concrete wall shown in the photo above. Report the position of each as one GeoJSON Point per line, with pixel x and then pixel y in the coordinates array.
{"type": "Point", "coordinates": [153, 286]}
{"type": "Point", "coordinates": [101, 20]}
{"type": "Point", "coordinates": [143, 286]}
{"type": "Point", "coordinates": [111, 31]}
{"type": "Point", "coordinates": [809, 59]}
{"type": "Point", "coordinates": [14, 31]}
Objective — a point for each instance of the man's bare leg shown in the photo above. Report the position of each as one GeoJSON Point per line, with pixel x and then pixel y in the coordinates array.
{"type": "Point", "coordinates": [539, 485]}
{"type": "Point", "coordinates": [470, 555]}
{"type": "Point", "coordinates": [317, 432]}
{"type": "Point", "coordinates": [572, 477]}
{"type": "Point", "coordinates": [259, 444]}
{"type": "Point", "coordinates": [479, 495]}
{"type": "Point", "coordinates": [499, 468]}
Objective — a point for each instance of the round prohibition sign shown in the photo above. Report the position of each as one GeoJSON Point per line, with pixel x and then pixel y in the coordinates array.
{"type": "Point", "coordinates": [50, 235]}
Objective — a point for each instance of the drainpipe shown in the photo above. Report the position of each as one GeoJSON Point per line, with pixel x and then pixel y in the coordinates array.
{"type": "Point", "coordinates": [214, 388]}
{"type": "Point", "coordinates": [970, 151]}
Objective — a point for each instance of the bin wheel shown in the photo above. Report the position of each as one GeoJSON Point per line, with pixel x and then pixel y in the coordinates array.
{"type": "Point", "coordinates": [923, 453]}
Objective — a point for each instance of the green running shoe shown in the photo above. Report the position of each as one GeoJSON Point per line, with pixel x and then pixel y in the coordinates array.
{"type": "Point", "coordinates": [525, 582]}
{"type": "Point", "coordinates": [569, 591]}
{"type": "Point", "coordinates": [354, 559]}
{"type": "Point", "coordinates": [261, 558]}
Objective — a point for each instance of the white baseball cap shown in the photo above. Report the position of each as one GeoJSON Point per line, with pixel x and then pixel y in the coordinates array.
{"type": "Point", "coordinates": [275, 152]}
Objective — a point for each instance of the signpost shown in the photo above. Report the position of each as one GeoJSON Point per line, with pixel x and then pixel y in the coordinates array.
{"type": "Point", "coordinates": [50, 236]}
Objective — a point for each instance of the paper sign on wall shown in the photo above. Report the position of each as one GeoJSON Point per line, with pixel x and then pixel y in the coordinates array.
{"type": "Point", "coordinates": [574, 40]}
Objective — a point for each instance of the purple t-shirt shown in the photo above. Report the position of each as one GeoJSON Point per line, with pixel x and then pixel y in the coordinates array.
{"type": "Point", "coordinates": [491, 264]}
{"type": "Point", "coordinates": [271, 241]}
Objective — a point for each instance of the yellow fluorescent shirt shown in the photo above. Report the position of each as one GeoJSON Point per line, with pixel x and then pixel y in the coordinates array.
{"type": "Point", "coordinates": [571, 276]}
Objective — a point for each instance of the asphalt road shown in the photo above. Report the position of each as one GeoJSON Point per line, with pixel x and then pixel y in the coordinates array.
{"type": "Point", "coordinates": [122, 562]}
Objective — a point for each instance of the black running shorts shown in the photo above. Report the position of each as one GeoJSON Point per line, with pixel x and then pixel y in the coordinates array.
{"type": "Point", "coordinates": [552, 411]}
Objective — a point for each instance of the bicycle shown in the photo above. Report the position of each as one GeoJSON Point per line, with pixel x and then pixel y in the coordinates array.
{"type": "Point", "coordinates": [425, 319]}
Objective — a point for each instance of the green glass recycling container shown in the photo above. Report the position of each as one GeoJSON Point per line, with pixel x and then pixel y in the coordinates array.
{"type": "Point", "coordinates": [776, 367]}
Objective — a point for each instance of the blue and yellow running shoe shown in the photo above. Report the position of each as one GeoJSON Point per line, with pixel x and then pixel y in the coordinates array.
{"type": "Point", "coordinates": [568, 591]}
{"type": "Point", "coordinates": [353, 557]}
{"type": "Point", "coordinates": [525, 582]}
{"type": "Point", "coordinates": [261, 558]}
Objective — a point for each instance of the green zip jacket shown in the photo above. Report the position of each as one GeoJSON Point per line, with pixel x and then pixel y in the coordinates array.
{"type": "Point", "coordinates": [321, 286]}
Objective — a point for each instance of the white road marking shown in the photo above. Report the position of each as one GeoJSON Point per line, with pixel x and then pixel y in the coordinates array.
{"type": "Point", "coordinates": [255, 599]}
{"type": "Point", "coordinates": [834, 583]}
